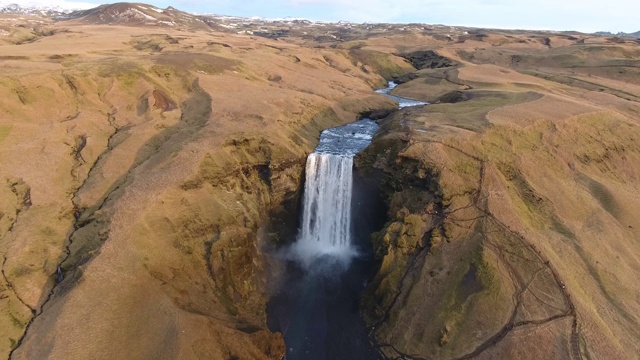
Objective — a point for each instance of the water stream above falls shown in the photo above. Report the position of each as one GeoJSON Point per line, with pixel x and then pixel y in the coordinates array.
{"type": "Point", "coordinates": [317, 306]}
{"type": "Point", "coordinates": [402, 102]}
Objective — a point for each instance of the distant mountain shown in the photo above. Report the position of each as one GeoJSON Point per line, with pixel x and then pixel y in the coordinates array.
{"type": "Point", "coordinates": [620, 34]}
{"type": "Point", "coordinates": [49, 11]}
{"type": "Point", "coordinates": [138, 14]}
{"type": "Point", "coordinates": [135, 14]}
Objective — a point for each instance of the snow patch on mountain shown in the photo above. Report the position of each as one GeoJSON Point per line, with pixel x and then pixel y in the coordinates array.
{"type": "Point", "coordinates": [42, 7]}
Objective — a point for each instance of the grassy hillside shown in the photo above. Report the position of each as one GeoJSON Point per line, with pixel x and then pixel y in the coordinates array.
{"type": "Point", "coordinates": [521, 230]}
{"type": "Point", "coordinates": [148, 169]}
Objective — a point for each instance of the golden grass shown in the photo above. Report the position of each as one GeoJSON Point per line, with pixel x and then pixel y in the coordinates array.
{"type": "Point", "coordinates": [138, 224]}
{"type": "Point", "coordinates": [560, 167]}
{"type": "Point", "coordinates": [169, 203]}
{"type": "Point", "coordinates": [5, 130]}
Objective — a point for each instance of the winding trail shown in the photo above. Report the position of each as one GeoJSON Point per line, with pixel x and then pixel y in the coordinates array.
{"type": "Point", "coordinates": [11, 287]}
{"type": "Point", "coordinates": [486, 217]}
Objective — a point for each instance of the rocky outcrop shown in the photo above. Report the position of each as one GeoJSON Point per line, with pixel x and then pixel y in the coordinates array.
{"type": "Point", "coordinates": [427, 59]}
{"type": "Point", "coordinates": [430, 271]}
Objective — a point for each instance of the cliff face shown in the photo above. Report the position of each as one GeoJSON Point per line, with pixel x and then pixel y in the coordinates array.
{"type": "Point", "coordinates": [144, 176]}
{"type": "Point", "coordinates": [511, 219]}
{"type": "Point", "coordinates": [140, 188]}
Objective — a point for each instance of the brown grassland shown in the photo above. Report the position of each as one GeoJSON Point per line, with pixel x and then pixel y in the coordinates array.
{"type": "Point", "coordinates": [145, 172]}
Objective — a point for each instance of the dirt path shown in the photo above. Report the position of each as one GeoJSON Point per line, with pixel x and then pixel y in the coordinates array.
{"type": "Point", "coordinates": [488, 220]}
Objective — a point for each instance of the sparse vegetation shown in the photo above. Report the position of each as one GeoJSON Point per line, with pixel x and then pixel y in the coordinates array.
{"type": "Point", "coordinates": [148, 167]}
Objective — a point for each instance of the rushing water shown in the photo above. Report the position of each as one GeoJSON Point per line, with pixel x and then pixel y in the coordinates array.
{"type": "Point", "coordinates": [402, 102]}
{"type": "Point", "coordinates": [317, 307]}
{"type": "Point", "coordinates": [326, 217]}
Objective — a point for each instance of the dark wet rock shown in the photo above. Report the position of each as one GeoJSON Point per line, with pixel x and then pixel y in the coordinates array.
{"type": "Point", "coordinates": [376, 114]}
{"type": "Point", "coordinates": [405, 78]}
{"type": "Point", "coordinates": [428, 59]}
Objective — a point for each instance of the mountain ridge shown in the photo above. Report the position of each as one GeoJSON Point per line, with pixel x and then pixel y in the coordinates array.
{"type": "Point", "coordinates": [619, 34]}
{"type": "Point", "coordinates": [138, 14]}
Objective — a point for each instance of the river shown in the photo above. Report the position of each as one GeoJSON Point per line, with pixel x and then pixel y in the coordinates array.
{"type": "Point", "coordinates": [317, 306]}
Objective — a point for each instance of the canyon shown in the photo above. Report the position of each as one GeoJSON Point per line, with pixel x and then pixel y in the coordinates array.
{"type": "Point", "coordinates": [152, 168]}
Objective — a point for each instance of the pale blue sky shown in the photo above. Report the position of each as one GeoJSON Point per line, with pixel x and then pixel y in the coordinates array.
{"type": "Point", "coordinates": [585, 15]}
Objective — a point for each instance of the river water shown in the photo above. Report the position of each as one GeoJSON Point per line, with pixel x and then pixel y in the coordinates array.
{"type": "Point", "coordinates": [317, 307]}
{"type": "Point", "coordinates": [402, 102]}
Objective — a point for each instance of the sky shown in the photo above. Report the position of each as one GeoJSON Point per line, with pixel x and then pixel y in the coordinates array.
{"type": "Point", "coordinates": [583, 15]}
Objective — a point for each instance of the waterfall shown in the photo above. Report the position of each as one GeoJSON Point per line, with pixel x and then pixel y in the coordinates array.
{"type": "Point", "coordinates": [314, 308]}
{"type": "Point", "coordinates": [326, 217]}
{"type": "Point", "coordinates": [325, 231]}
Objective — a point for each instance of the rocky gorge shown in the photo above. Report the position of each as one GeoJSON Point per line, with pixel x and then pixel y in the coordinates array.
{"type": "Point", "coordinates": [150, 173]}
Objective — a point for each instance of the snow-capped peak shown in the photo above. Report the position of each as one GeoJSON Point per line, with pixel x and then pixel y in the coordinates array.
{"type": "Point", "coordinates": [43, 7]}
